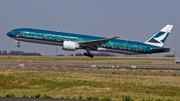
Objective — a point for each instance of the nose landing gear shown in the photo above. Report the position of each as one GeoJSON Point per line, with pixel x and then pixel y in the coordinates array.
{"type": "Point", "coordinates": [18, 44]}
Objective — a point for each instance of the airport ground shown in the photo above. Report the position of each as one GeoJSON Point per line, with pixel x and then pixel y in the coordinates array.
{"type": "Point", "coordinates": [101, 78]}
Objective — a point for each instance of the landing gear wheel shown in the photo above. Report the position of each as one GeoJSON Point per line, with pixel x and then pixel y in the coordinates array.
{"type": "Point", "coordinates": [18, 42]}
{"type": "Point", "coordinates": [91, 55]}
{"type": "Point", "coordinates": [85, 54]}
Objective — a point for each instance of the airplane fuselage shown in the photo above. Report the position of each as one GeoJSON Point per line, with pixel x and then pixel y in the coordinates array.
{"type": "Point", "coordinates": [57, 38]}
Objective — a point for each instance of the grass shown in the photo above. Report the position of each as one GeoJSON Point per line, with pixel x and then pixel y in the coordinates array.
{"type": "Point", "coordinates": [115, 59]}
{"type": "Point", "coordinates": [92, 86]}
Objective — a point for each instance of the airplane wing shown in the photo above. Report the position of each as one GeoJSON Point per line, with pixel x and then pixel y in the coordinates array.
{"type": "Point", "coordinates": [94, 43]}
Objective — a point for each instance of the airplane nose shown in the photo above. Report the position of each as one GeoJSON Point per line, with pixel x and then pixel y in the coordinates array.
{"type": "Point", "coordinates": [10, 34]}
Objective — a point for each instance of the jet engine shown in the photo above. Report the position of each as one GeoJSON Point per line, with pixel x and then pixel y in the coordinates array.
{"type": "Point", "coordinates": [70, 46]}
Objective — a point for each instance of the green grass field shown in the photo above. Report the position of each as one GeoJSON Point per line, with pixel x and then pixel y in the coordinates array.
{"type": "Point", "coordinates": [118, 59]}
{"type": "Point", "coordinates": [91, 86]}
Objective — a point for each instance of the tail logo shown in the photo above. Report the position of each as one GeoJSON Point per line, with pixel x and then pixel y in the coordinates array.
{"type": "Point", "coordinates": [161, 38]}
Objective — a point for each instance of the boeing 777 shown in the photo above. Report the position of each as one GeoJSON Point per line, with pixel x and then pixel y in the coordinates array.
{"type": "Point", "coordinates": [72, 42]}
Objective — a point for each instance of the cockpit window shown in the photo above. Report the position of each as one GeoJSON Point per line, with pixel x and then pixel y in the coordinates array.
{"type": "Point", "coordinates": [14, 34]}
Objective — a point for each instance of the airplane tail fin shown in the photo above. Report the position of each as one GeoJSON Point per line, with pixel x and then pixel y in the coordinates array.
{"type": "Point", "coordinates": [159, 38]}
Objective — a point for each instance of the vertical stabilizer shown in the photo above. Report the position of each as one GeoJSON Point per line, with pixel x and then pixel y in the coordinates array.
{"type": "Point", "coordinates": [159, 38]}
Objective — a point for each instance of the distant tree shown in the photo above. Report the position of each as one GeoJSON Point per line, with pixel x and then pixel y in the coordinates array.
{"type": "Point", "coordinates": [170, 55]}
{"type": "Point", "coordinates": [78, 54]}
{"type": "Point", "coordinates": [5, 52]}
{"type": "Point", "coordinates": [19, 53]}
{"type": "Point", "coordinates": [103, 54]}
{"type": "Point", "coordinates": [60, 55]}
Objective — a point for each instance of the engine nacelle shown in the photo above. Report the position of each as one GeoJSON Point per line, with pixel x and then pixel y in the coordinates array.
{"type": "Point", "coordinates": [70, 46]}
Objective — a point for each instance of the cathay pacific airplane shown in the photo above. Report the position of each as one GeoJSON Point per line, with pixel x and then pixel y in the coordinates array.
{"type": "Point", "coordinates": [72, 42]}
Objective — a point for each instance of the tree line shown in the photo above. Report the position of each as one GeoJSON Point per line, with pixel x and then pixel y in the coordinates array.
{"type": "Point", "coordinates": [21, 53]}
{"type": "Point", "coordinates": [95, 54]}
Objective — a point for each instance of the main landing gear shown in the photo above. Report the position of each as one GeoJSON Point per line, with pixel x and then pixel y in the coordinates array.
{"type": "Point", "coordinates": [88, 53]}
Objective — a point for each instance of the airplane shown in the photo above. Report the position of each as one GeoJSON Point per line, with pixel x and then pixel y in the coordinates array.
{"type": "Point", "coordinates": [72, 42]}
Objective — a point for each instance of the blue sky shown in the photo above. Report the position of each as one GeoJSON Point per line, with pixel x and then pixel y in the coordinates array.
{"type": "Point", "coordinates": [129, 19]}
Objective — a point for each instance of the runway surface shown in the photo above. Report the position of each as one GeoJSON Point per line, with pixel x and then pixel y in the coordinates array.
{"type": "Point", "coordinates": [111, 68]}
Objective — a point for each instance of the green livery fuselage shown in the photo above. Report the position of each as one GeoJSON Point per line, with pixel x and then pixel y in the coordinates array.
{"type": "Point", "coordinates": [57, 38]}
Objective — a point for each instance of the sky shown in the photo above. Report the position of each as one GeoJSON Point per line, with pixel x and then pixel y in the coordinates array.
{"type": "Point", "coordinates": [129, 19]}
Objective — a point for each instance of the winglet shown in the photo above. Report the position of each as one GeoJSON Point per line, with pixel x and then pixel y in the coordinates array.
{"type": "Point", "coordinates": [159, 38]}
{"type": "Point", "coordinates": [114, 37]}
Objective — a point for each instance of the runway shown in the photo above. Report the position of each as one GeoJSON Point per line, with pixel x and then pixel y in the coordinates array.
{"type": "Point", "coordinates": [110, 68]}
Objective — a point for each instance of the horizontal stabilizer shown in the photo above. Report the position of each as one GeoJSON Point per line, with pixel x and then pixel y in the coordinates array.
{"type": "Point", "coordinates": [160, 49]}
